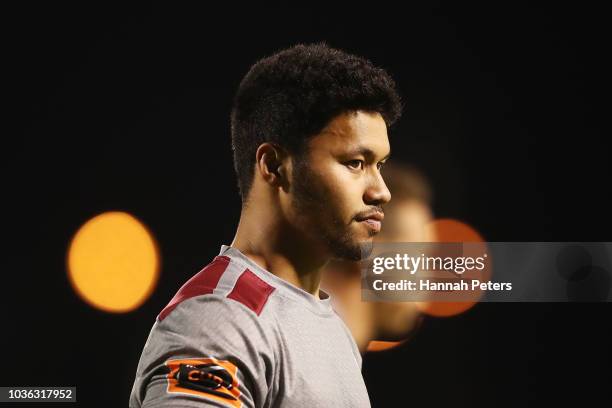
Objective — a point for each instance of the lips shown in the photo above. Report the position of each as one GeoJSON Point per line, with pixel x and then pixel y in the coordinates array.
{"type": "Point", "coordinates": [372, 220]}
{"type": "Point", "coordinates": [373, 224]}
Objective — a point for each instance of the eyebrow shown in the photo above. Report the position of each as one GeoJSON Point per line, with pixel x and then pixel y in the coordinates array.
{"type": "Point", "coordinates": [367, 153]}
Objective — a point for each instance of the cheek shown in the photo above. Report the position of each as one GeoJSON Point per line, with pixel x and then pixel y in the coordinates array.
{"type": "Point", "coordinates": [332, 193]}
{"type": "Point", "coordinates": [344, 191]}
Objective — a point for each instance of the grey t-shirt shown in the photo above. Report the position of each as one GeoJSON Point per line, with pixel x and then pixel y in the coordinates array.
{"type": "Point", "coordinates": [236, 335]}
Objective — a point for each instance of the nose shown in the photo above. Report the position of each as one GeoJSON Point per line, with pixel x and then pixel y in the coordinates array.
{"type": "Point", "coordinates": [376, 192]}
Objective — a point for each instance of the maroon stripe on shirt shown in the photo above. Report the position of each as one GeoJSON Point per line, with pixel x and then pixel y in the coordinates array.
{"type": "Point", "coordinates": [251, 291]}
{"type": "Point", "coordinates": [202, 283]}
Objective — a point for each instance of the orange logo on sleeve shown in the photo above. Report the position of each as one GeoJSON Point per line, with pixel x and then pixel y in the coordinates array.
{"type": "Point", "coordinates": [205, 377]}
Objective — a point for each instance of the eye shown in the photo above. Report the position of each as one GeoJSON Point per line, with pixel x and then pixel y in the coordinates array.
{"type": "Point", "coordinates": [380, 165]}
{"type": "Point", "coordinates": [355, 164]}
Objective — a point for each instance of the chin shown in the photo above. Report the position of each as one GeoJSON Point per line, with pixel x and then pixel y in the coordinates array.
{"type": "Point", "coordinates": [352, 244]}
{"type": "Point", "coordinates": [366, 248]}
{"type": "Point", "coordinates": [398, 332]}
{"type": "Point", "coordinates": [353, 251]}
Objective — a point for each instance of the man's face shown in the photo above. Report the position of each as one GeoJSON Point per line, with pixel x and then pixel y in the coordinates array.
{"type": "Point", "coordinates": [337, 189]}
{"type": "Point", "coordinates": [396, 319]}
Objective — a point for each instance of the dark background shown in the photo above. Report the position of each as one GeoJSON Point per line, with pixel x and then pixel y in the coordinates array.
{"type": "Point", "coordinates": [127, 108]}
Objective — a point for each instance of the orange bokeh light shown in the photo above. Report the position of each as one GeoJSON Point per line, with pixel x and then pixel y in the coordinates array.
{"type": "Point", "coordinates": [376, 345]}
{"type": "Point", "coordinates": [113, 262]}
{"type": "Point", "coordinates": [450, 230]}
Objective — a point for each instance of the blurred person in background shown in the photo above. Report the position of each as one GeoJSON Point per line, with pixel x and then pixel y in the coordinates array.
{"type": "Point", "coordinates": [407, 217]}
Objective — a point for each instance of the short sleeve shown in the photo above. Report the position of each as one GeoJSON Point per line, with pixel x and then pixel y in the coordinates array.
{"type": "Point", "coordinates": [210, 351]}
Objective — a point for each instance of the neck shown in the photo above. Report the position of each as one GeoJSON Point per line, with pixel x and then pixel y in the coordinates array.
{"type": "Point", "coordinates": [267, 240]}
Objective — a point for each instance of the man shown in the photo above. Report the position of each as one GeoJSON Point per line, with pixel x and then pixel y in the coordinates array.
{"type": "Point", "coordinates": [252, 329]}
{"type": "Point", "coordinates": [406, 220]}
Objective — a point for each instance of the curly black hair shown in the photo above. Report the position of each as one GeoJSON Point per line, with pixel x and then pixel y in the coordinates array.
{"type": "Point", "coordinates": [292, 95]}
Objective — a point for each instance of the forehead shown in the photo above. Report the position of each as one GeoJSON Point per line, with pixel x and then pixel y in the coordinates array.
{"type": "Point", "coordinates": [352, 131]}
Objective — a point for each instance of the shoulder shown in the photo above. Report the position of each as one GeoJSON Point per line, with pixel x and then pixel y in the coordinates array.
{"type": "Point", "coordinates": [221, 315]}
{"type": "Point", "coordinates": [224, 283]}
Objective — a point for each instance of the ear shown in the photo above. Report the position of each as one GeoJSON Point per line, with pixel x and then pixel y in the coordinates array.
{"type": "Point", "coordinates": [271, 164]}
